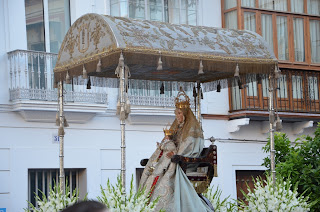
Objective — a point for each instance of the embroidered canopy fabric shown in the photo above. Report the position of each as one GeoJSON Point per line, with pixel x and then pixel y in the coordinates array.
{"type": "Point", "coordinates": [181, 47]}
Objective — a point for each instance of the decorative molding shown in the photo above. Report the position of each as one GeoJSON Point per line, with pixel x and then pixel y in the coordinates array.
{"type": "Point", "coordinates": [299, 127]}
{"type": "Point", "coordinates": [234, 125]}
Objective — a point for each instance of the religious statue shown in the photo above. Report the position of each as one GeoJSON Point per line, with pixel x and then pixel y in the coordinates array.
{"type": "Point", "coordinates": [165, 179]}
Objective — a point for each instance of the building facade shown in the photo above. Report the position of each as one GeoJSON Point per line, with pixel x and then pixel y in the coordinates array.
{"type": "Point", "coordinates": [30, 36]}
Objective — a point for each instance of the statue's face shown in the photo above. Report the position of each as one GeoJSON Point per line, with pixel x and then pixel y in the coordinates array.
{"type": "Point", "coordinates": [179, 115]}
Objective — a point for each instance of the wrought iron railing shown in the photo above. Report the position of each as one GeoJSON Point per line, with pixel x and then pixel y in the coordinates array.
{"type": "Point", "coordinates": [31, 78]}
{"type": "Point", "coordinates": [297, 91]}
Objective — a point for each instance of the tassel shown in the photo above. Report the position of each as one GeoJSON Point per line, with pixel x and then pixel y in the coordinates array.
{"type": "Point", "coordinates": [84, 73]}
{"type": "Point", "coordinates": [57, 119]}
{"type": "Point", "coordinates": [215, 170]}
{"type": "Point", "coordinates": [159, 67]}
{"type": "Point", "coordinates": [61, 131]}
{"type": "Point", "coordinates": [162, 89]}
{"type": "Point", "coordinates": [277, 72]}
{"type": "Point", "coordinates": [201, 94]}
{"type": "Point", "coordinates": [236, 72]}
{"type": "Point", "coordinates": [219, 87]}
{"type": "Point", "coordinates": [200, 68]}
{"type": "Point", "coordinates": [194, 92]}
{"type": "Point", "coordinates": [68, 81]}
{"type": "Point", "coordinates": [240, 84]}
{"type": "Point", "coordinates": [65, 122]}
{"type": "Point", "coordinates": [99, 66]}
{"type": "Point", "coordinates": [89, 84]}
{"type": "Point", "coordinates": [121, 60]}
{"type": "Point", "coordinates": [278, 124]}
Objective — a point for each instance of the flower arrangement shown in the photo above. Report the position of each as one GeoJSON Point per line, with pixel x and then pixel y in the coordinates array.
{"type": "Point", "coordinates": [279, 197]}
{"type": "Point", "coordinates": [117, 201]}
{"type": "Point", "coordinates": [55, 202]}
{"type": "Point", "coordinates": [219, 204]}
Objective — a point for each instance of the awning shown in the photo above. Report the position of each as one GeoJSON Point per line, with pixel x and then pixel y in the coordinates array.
{"type": "Point", "coordinates": [182, 48]}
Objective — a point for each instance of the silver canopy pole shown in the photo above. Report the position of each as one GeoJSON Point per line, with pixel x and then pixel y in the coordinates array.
{"type": "Point", "coordinates": [123, 126]}
{"type": "Point", "coordinates": [61, 138]}
{"type": "Point", "coordinates": [271, 122]}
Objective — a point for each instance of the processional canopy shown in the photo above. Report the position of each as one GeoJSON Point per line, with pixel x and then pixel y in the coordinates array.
{"type": "Point", "coordinates": [160, 51]}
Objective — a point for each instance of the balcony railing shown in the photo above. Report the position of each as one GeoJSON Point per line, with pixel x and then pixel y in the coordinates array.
{"type": "Point", "coordinates": [31, 78]}
{"type": "Point", "coordinates": [297, 91]}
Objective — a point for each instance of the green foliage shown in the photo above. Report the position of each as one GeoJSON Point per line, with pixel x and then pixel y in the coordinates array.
{"type": "Point", "coordinates": [279, 197]}
{"type": "Point", "coordinates": [115, 198]}
{"type": "Point", "coordinates": [219, 204]}
{"type": "Point", "coordinates": [300, 162]}
{"type": "Point", "coordinates": [55, 202]}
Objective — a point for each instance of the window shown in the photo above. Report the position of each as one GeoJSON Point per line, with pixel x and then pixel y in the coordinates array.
{"type": "Point", "coordinates": [173, 11]}
{"type": "Point", "coordinates": [250, 21]}
{"type": "Point", "coordinates": [298, 30]}
{"type": "Point", "coordinates": [313, 7]}
{"type": "Point", "coordinates": [267, 29]}
{"type": "Point", "coordinates": [315, 40]}
{"type": "Point", "coordinates": [282, 35]}
{"type": "Point", "coordinates": [58, 19]}
{"type": "Point", "coordinates": [42, 179]}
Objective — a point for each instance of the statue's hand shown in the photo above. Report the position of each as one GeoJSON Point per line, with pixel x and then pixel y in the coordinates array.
{"type": "Point", "coordinates": [170, 154]}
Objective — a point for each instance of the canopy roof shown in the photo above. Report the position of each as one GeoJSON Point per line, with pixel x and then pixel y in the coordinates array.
{"type": "Point", "coordinates": [181, 47]}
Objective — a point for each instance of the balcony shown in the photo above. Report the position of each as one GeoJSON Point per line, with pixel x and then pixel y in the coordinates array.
{"type": "Point", "coordinates": [32, 94]}
{"type": "Point", "coordinates": [296, 98]}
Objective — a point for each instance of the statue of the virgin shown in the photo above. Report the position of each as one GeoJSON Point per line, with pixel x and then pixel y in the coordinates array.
{"type": "Point", "coordinates": [165, 179]}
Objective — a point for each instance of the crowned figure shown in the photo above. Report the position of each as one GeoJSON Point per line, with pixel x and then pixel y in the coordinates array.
{"type": "Point", "coordinates": [165, 179]}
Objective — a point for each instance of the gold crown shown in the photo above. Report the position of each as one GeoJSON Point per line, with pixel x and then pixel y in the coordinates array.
{"type": "Point", "coordinates": [168, 132]}
{"type": "Point", "coordinates": [182, 103]}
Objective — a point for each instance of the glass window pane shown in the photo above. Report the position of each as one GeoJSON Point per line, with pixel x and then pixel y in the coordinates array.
{"type": "Point", "coordinates": [297, 87]}
{"type": "Point", "coordinates": [236, 96]}
{"type": "Point", "coordinates": [265, 87]}
{"type": "Point", "coordinates": [267, 29]}
{"type": "Point", "coordinates": [35, 25]}
{"type": "Point", "coordinates": [252, 89]}
{"type": "Point", "coordinates": [59, 22]}
{"type": "Point", "coordinates": [188, 12]}
{"type": "Point", "coordinates": [297, 6]}
{"type": "Point", "coordinates": [282, 87]}
{"type": "Point", "coordinates": [248, 3]}
{"type": "Point", "coordinates": [229, 4]}
{"type": "Point", "coordinates": [266, 4]}
{"type": "Point", "coordinates": [315, 41]}
{"type": "Point", "coordinates": [282, 36]}
{"type": "Point", "coordinates": [298, 31]}
{"type": "Point", "coordinates": [115, 8]}
{"type": "Point", "coordinates": [174, 11]}
{"type": "Point", "coordinates": [249, 21]}
{"type": "Point", "coordinates": [137, 9]}
{"type": "Point", "coordinates": [314, 7]}
{"type": "Point", "coordinates": [273, 4]}
{"type": "Point", "coordinates": [313, 88]}
{"type": "Point", "coordinates": [231, 20]}
{"type": "Point", "coordinates": [124, 8]}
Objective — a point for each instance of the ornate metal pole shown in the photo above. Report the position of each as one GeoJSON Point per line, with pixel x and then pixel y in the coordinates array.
{"type": "Point", "coordinates": [123, 125]}
{"type": "Point", "coordinates": [199, 102]}
{"type": "Point", "coordinates": [271, 122]}
{"type": "Point", "coordinates": [61, 138]}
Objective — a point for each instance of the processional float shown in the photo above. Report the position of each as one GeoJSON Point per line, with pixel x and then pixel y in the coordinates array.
{"type": "Point", "coordinates": [116, 47]}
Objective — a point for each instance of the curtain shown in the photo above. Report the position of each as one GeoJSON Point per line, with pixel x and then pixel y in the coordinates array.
{"type": "Point", "coordinates": [248, 3]}
{"type": "Point", "coordinates": [229, 4]}
{"type": "Point", "coordinates": [297, 6]}
{"type": "Point", "coordinates": [282, 35]}
{"type": "Point", "coordinates": [188, 12]}
{"type": "Point", "coordinates": [313, 7]}
{"type": "Point", "coordinates": [282, 85]}
{"type": "Point", "coordinates": [298, 31]}
{"type": "Point", "coordinates": [154, 9]}
{"type": "Point", "coordinates": [231, 20]}
{"type": "Point", "coordinates": [281, 5]}
{"type": "Point", "coordinates": [266, 29]}
{"type": "Point", "coordinates": [266, 4]}
{"type": "Point", "coordinates": [315, 40]}
{"type": "Point", "coordinates": [137, 9]}
{"type": "Point", "coordinates": [297, 87]}
{"type": "Point", "coordinates": [249, 21]}
{"type": "Point", "coordinates": [313, 88]}
{"type": "Point", "coordinates": [274, 4]}
{"type": "Point", "coordinates": [174, 11]}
